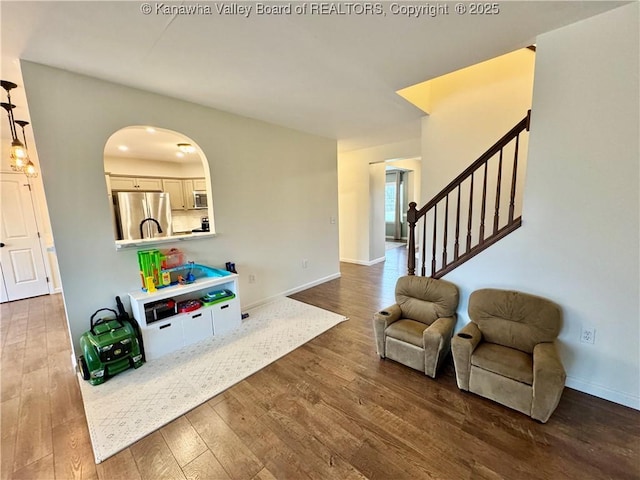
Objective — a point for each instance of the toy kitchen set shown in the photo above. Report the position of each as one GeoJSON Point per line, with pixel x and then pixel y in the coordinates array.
{"type": "Point", "coordinates": [182, 303]}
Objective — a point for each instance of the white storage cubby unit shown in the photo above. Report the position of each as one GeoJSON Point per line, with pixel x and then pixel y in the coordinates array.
{"type": "Point", "coordinates": [169, 334]}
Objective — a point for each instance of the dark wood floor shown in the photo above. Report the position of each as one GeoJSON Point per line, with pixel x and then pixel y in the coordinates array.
{"type": "Point", "coordinates": [329, 410]}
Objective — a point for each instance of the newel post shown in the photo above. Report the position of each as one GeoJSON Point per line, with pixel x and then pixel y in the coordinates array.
{"type": "Point", "coordinates": [412, 218]}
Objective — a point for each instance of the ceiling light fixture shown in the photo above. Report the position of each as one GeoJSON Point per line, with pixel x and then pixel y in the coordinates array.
{"type": "Point", "coordinates": [18, 154]}
{"type": "Point", "coordinates": [186, 148]}
{"type": "Point", "coordinates": [29, 168]}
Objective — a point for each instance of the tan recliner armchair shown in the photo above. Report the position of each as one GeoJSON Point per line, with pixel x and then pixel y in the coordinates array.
{"type": "Point", "coordinates": [507, 353]}
{"type": "Point", "coordinates": [416, 331]}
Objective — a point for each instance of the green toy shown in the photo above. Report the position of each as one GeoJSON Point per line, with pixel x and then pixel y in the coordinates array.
{"type": "Point", "coordinates": [110, 347]}
{"type": "Point", "coordinates": [218, 296]}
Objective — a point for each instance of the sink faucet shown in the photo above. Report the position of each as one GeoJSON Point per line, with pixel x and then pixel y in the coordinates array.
{"type": "Point", "coordinates": [150, 219]}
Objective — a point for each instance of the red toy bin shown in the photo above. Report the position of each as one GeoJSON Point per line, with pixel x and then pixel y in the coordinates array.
{"type": "Point", "coordinates": [172, 258]}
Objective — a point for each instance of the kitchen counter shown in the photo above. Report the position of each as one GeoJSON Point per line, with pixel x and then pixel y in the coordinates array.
{"type": "Point", "coordinates": [147, 242]}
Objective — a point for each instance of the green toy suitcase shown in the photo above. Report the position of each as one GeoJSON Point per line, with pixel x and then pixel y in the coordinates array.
{"type": "Point", "coordinates": [218, 296]}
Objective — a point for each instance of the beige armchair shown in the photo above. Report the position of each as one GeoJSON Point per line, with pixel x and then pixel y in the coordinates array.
{"type": "Point", "coordinates": [416, 331]}
{"type": "Point", "coordinates": [507, 353]}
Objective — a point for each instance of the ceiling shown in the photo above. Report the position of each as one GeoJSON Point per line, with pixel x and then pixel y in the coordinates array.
{"type": "Point", "coordinates": [150, 144]}
{"type": "Point", "coordinates": [330, 75]}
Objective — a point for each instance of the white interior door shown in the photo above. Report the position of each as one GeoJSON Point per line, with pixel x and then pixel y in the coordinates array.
{"type": "Point", "coordinates": [23, 270]}
{"type": "Point", "coordinates": [4, 296]}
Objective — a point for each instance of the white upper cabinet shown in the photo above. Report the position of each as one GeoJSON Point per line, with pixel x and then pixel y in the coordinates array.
{"type": "Point", "coordinates": [200, 184]}
{"type": "Point", "coordinates": [136, 183]}
{"type": "Point", "coordinates": [181, 191]}
{"type": "Point", "coordinates": [187, 186]}
{"type": "Point", "coordinates": [174, 187]}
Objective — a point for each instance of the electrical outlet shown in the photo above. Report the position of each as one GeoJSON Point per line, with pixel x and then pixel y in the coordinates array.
{"type": "Point", "coordinates": [252, 278]}
{"type": "Point", "coordinates": [305, 263]}
{"type": "Point", "coordinates": [588, 335]}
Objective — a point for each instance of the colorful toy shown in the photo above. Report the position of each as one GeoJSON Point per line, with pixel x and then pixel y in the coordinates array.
{"type": "Point", "coordinates": [156, 268]}
{"type": "Point", "coordinates": [217, 296]}
{"type": "Point", "coordinates": [149, 262]}
{"type": "Point", "coordinates": [172, 258]}
{"type": "Point", "coordinates": [109, 347]}
{"type": "Point", "coordinates": [190, 276]}
{"type": "Point", "coordinates": [160, 310]}
{"type": "Point", "coordinates": [188, 306]}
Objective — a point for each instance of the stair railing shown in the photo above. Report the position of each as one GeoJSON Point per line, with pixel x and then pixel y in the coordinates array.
{"type": "Point", "coordinates": [456, 201]}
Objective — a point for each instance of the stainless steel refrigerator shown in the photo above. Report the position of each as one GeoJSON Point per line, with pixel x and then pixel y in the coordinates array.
{"type": "Point", "coordinates": [142, 215]}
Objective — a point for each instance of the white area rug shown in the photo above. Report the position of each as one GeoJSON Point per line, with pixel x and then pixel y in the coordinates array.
{"type": "Point", "coordinates": [137, 402]}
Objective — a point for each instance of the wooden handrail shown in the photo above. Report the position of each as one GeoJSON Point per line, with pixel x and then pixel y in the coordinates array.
{"type": "Point", "coordinates": [495, 148]}
{"type": "Point", "coordinates": [414, 215]}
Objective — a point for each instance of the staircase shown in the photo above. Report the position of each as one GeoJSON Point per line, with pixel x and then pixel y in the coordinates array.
{"type": "Point", "coordinates": [453, 224]}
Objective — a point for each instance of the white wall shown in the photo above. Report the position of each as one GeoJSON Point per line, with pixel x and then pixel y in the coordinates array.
{"type": "Point", "coordinates": [274, 190]}
{"type": "Point", "coordinates": [470, 110]}
{"type": "Point", "coordinates": [579, 241]}
{"type": "Point", "coordinates": [377, 178]}
{"type": "Point", "coordinates": [354, 207]}
{"type": "Point", "coordinates": [354, 189]}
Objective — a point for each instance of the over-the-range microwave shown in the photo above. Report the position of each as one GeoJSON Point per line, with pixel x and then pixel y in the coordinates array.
{"type": "Point", "coordinates": [200, 199]}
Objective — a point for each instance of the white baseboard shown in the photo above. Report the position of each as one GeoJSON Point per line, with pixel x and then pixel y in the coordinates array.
{"type": "Point", "coordinates": [362, 262]}
{"type": "Point", "coordinates": [292, 291]}
{"type": "Point", "coordinates": [606, 393]}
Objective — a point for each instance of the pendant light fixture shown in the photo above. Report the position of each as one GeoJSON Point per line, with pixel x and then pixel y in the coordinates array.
{"type": "Point", "coordinates": [18, 152]}
{"type": "Point", "coordinates": [29, 168]}
{"type": "Point", "coordinates": [19, 155]}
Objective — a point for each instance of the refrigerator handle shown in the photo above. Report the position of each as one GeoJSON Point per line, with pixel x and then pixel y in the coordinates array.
{"type": "Point", "coordinates": [147, 213]}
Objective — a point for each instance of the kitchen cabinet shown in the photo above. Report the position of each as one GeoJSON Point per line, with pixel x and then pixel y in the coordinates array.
{"type": "Point", "coordinates": [123, 183]}
{"type": "Point", "coordinates": [149, 184]}
{"type": "Point", "coordinates": [187, 186]}
{"type": "Point", "coordinates": [181, 191]}
{"type": "Point", "coordinates": [164, 336]}
{"type": "Point", "coordinates": [136, 183]}
{"type": "Point", "coordinates": [200, 184]}
{"type": "Point", "coordinates": [174, 187]}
